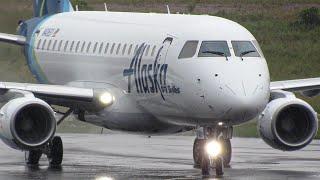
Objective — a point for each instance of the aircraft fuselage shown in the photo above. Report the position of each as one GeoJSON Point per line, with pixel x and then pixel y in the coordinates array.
{"type": "Point", "coordinates": [138, 54]}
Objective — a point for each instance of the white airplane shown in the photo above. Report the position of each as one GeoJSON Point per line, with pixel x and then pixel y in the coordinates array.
{"type": "Point", "coordinates": [148, 73]}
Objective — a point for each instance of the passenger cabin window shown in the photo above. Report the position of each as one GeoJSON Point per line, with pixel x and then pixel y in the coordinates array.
{"type": "Point", "coordinates": [244, 49]}
{"type": "Point", "coordinates": [54, 45]}
{"type": "Point", "coordinates": [106, 48]}
{"type": "Point", "coordinates": [130, 49]}
{"type": "Point", "coordinates": [118, 49]}
{"type": "Point", "coordinates": [189, 49]}
{"type": "Point", "coordinates": [124, 49]}
{"type": "Point", "coordinates": [60, 45]}
{"type": "Point", "coordinates": [101, 47]}
{"type": "Point", "coordinates": [39, 43]}
{"type": "Point", "coordinates": [95, 47]}
{"type": "Point", "coordinates": [136, 48]}
{"type": "Point", "coordinates": [44, 44]}
{"type": "Point", "coordinates": [71, 47]}
{"type": "Point", "coordinates": [88, 48]}
{"type": "Point", "coordinates": [147, 50]}
{"type": "Point", "coordinates": [65, 46]}
{"type": "Point", "coordinates": [48, 48]}
{"type": "Point", "coordinates": [83, 46]}
{"type": "Point", "coordinates": [78, 45]}
{"type": "Point", "coordinates": [112, 48]}
{"type": "Point", "coordinates": [214, 49]}
{"type": "Point", "coordinates": [153, 50]}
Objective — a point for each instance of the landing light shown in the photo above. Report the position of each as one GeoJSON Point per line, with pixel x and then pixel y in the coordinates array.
{"type": "Point", "coordinates": [213, 148]}
{"type": "Point", "coordinates": [104, 178]}
{"type": "Point", "coordinates": [106, 98]}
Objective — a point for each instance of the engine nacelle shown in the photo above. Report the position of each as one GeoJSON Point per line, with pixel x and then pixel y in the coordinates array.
{"type": "Point", "coordinates": [288, 123]}
{"type": "Point", "coordinates": [26, 123]}
{"type": "Point", "coordinates": [311, 93]}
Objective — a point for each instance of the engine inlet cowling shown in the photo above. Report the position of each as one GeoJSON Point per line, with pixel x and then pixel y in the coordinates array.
{"type": "Point", "coordinates": [27, 123]}
{"type": "Point", "coordinates": [288, 124]}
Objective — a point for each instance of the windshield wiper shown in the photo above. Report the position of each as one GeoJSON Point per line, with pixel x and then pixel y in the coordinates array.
{"type": "Point", "coordinates": [217, 53]}
{"type": "Point", "coordinates": [245, 53]}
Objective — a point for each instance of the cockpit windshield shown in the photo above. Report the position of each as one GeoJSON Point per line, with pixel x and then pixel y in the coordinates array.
{"type": "Point", "coordinates": [244, 49]}
{"type": "Point", "coordinates": [214, 49]}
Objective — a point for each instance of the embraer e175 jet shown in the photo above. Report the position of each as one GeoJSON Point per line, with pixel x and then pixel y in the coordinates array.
{"type": "Point", "coordinates": [148, 73]}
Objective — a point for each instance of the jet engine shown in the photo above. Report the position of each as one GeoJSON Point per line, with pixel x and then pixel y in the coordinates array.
{"type": "Point", "coordinates": [26, 122]}
{"type": "Point", "coordinates": [287, 123]}
{"type": "Point", "coordinates": [310, 93]}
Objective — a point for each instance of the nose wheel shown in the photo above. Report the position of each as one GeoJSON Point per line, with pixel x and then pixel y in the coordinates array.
{"type": "Point", "coordinates": [226, 152]}
{"type": "Point", "coordinates": [198, 148]}
{"type": "Point", "coordinates": [207, 162]}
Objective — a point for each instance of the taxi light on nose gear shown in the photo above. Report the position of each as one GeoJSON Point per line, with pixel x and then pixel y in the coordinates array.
{"type": "Point", "coordinates": [106, 98]}
{"type": "Point", "coordinates": [213, 148]}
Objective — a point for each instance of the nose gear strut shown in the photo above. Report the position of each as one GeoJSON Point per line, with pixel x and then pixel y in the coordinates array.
{"type": "Point", "coordinates": [201, 158]}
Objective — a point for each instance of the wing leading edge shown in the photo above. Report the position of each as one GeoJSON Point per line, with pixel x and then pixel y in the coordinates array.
{"type": "Point", "coordinates": [72, 97]}
{"type": "Point", "coordinates": [12, 39]}
{"type": "Point", "coordinates": [296, 85]}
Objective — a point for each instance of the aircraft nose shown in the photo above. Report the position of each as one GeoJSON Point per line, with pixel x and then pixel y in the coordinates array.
{"type": "Point", "coordinates": [240, 101]}
{"type": "Point", "coordinates": [245, 100]}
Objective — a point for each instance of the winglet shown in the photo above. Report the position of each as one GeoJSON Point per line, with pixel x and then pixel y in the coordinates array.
{"type": "Point", "coordinates": [13, 39]}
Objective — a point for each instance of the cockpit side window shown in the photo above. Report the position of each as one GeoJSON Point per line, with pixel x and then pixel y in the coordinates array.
{"type": "Point", "coordinates": [189, 49]}
{"type": "Point", "coordinates": [244, 49]}
{"type": "Point", "coordinates": [214, 49]}
{"type": "Point", "coordinates": [255, 42]}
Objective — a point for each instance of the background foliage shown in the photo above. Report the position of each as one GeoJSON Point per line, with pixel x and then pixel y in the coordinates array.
{"type": "Point", "coordinates": [287, 30]}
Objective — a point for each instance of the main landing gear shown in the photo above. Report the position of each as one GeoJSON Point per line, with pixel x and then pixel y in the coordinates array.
{"type": "Point", "coordinates": [53, 150]}
{"type": "Point", "coordinates": [212, 149]}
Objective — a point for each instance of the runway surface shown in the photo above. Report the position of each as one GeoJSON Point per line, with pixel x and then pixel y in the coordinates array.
{"type": "Point", "coordinates": [118, 156]}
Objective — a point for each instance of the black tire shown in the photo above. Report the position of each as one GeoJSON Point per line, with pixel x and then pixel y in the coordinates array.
{"type": "Point", "coordinates": [219, 167]}
{"type": "Point", "coordinates": [56, 152]}
{"type": "Point", "coordinates": [32, 157]}
{"type": "Point", "coordinates": [198, 151]}
{"type": "Point", "coordinates": [205, 166]}
{"type": "Point", "coordinates": [227, 152]}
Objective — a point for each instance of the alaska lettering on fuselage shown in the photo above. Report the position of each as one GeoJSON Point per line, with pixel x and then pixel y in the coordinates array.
{"type": "Point", "coordinates": [149, 78]}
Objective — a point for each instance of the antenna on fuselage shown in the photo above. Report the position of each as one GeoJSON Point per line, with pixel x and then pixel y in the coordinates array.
{"type": "Point", "coordinates": [168, 9]}
{"type": "Point", "coordinates": [105, 7]}
{"type": "Point", "coordinates": [77, 8]}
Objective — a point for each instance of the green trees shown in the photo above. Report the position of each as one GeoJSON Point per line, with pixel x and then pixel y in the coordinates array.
{"type": "Point", "coordinates": [309, 18]}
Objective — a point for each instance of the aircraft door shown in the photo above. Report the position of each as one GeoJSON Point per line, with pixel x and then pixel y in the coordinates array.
{"type": "Point", "coordinates": [163, 51]}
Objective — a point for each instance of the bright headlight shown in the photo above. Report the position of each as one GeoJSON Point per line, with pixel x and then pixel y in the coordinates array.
{"type": "Point", "coordinates": [106, 98]}
{"type": "Point", "coordinates": [213, 148]}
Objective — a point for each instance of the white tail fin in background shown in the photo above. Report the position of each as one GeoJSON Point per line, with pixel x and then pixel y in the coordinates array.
{"type": "Point", "coordinates": [50, 7]}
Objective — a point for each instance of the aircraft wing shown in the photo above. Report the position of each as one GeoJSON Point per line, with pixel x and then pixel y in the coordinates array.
{"type": "Point", "coordinates": [72, 97]}
{"type": "Point", "coordinates": [301, 85]}
{"type": "Point", "coordinates": [12, 39]}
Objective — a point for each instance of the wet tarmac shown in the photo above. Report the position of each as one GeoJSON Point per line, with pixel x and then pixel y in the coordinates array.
{"type": "Point", "coordinates": [118, 156]}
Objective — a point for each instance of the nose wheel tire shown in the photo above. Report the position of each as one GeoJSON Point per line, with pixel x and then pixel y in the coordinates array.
{"type": "Point", "coordinates": [227, 152]}
{"type": "Point", "coordinates": [219, 166]}
{"type": "Point", "coordinates": [198, 146]}
{"type": "Point", "coordinates": [205, 166]}
{"type": "Point", "coordinates": [32, 157]}
{"type": "Point", "coordinates": [56, 152]}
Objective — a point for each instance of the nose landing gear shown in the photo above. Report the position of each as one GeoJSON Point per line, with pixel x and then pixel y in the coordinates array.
{"type": "Point", "coordinates": [221, 148]}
